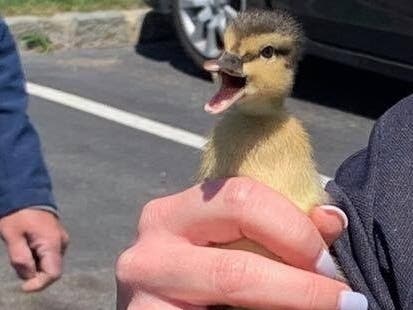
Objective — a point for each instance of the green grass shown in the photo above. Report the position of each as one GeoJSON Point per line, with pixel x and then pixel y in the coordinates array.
{"type": "Point", "coordinates": [49, 7]}
{"type": "Point", "coordinates": [38, 42]}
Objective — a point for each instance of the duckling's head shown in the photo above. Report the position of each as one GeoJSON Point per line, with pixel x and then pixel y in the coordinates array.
{"type": "Point", "coordinates": [258, 64]}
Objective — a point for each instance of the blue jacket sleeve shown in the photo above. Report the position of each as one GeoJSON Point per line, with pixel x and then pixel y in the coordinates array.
{"type": "Point", "coordinates": [24, 180]}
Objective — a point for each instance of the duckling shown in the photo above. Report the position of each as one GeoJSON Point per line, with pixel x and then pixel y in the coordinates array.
{"type": "Point", "coordinates": [256, 136]}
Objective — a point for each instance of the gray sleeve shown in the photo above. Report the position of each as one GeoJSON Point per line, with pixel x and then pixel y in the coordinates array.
{"type": "Point", "coordinates": [374, 188]}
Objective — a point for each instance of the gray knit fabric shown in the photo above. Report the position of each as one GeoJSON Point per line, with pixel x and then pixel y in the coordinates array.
{"type": "Point", "coordinates": [374, 187]}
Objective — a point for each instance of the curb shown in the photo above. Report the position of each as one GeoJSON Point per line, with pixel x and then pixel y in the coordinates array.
{"type": "Point", "coordinates": [92, 30]}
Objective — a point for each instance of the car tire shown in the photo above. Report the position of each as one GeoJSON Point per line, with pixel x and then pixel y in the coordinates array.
{"type": "Point", "coordinates": [189, 47]}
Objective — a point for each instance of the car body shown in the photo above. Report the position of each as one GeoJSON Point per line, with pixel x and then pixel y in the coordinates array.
{"type": "Point", "coordinates": [376, 35]}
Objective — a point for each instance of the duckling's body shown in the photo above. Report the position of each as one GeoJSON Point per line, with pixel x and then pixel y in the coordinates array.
{"type": "Point", "coordinates": [273, 149]}
{"type": "Point", "coordinates": [256, 136]}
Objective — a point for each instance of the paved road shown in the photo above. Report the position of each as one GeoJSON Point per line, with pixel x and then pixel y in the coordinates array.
{"type": "Point", "coordinates": [104, 172]}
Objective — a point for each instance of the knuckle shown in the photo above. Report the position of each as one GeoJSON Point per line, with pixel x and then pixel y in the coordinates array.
{"type": "Point", "coordinates": [239, 197]}
{"type": "Point", "coordinates": [237, 192]}
{"type": "Point", "coordinates": [153, 213]}
{"type": "Point", "coordinates": [7, 233]}
{"type": "Point", "coordinates": [65, 238]}
{"type": "Point", "coordinates": [52, 243]}
{"type": "Point", "coordinates": [20, 261]}
{"type": "Point", "coordinates": [132, 266]}
{"type": "Point", "coordinates": [230, 275]}
{"type": "Point", "coordinates": [123, 264]}
{"type": "Point", "coordinates": [300, 231]}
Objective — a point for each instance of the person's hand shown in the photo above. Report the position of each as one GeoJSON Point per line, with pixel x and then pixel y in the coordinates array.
{"type": "Point", "coordinates": [36, 242]}
{"type": "Point", "coordinates": [170, 266]}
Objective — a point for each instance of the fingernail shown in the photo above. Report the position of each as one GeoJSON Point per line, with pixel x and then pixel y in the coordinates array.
{"type": "Point", "coordinates": [338, 211]}
{"type": "Point", "coordinates": [352, 301]}
{"type": "Point", "coordinates": [325, 265]}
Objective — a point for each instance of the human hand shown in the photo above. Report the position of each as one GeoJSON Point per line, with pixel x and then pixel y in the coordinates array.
{"type": "Point", "coordinates": [170, 266]}
{"type": "Point", "coordinates": [36, 242]}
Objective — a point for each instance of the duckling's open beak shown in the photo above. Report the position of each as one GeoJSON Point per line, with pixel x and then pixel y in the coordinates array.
{"type": "Point", "coordinates": [233, 82]}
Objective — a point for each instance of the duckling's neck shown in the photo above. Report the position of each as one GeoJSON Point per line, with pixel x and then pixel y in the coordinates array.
{"type": "Point", "coordinates": [261, 107]}
{"type": "Point", "coordinates": [239, 136]}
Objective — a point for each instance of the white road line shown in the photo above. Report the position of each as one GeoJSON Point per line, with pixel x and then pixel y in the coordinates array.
{"type": "Point", "coordinates": [122, 117]}
{"type": "Point", "coordinates": [116, 115]}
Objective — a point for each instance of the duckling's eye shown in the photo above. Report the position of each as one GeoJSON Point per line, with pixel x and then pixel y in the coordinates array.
{"type": "Point", "coordinates": [267, 52]}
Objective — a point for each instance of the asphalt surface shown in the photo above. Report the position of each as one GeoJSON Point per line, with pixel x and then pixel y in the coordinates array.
{"type": "Point", "coordinates": [104, 172]}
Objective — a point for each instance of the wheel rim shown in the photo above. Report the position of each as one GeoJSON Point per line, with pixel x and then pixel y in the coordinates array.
{"type": "Point", "coordinates": [204, 22]}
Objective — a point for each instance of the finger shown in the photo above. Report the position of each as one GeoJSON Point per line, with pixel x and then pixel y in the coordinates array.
{"type": "Point", "coordinates": [146, 301]}
{"type": "Point", "coordinates": [330, 222]}
{"type": "Point", "coordinates": [50, 264]}
{"type": "Point", "coordinates": [38, 283]}
{"type": "Point", "coordinates": [207, 276]}
{"type": "Point", "coordinates": [65, 242]}
{"type": "Point", "coordinates": [228, 210]}
{"type": "Point", "coordinates": [21, 257]}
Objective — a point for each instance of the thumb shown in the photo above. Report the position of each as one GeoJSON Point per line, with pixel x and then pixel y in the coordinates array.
{"type": "Point", "coordinates": [330, 222]}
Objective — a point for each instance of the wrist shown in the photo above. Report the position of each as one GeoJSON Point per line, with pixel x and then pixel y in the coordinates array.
{"type": "Point", "coordinates": [46, 208]}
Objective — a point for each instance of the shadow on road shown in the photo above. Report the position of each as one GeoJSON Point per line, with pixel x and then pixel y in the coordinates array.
{"type": "Point", "coordinates": [158, 42]}
{"type": "Point", "coordinates": [349, 89]}
{"type": "Point", "coordinates": [319, 81]}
